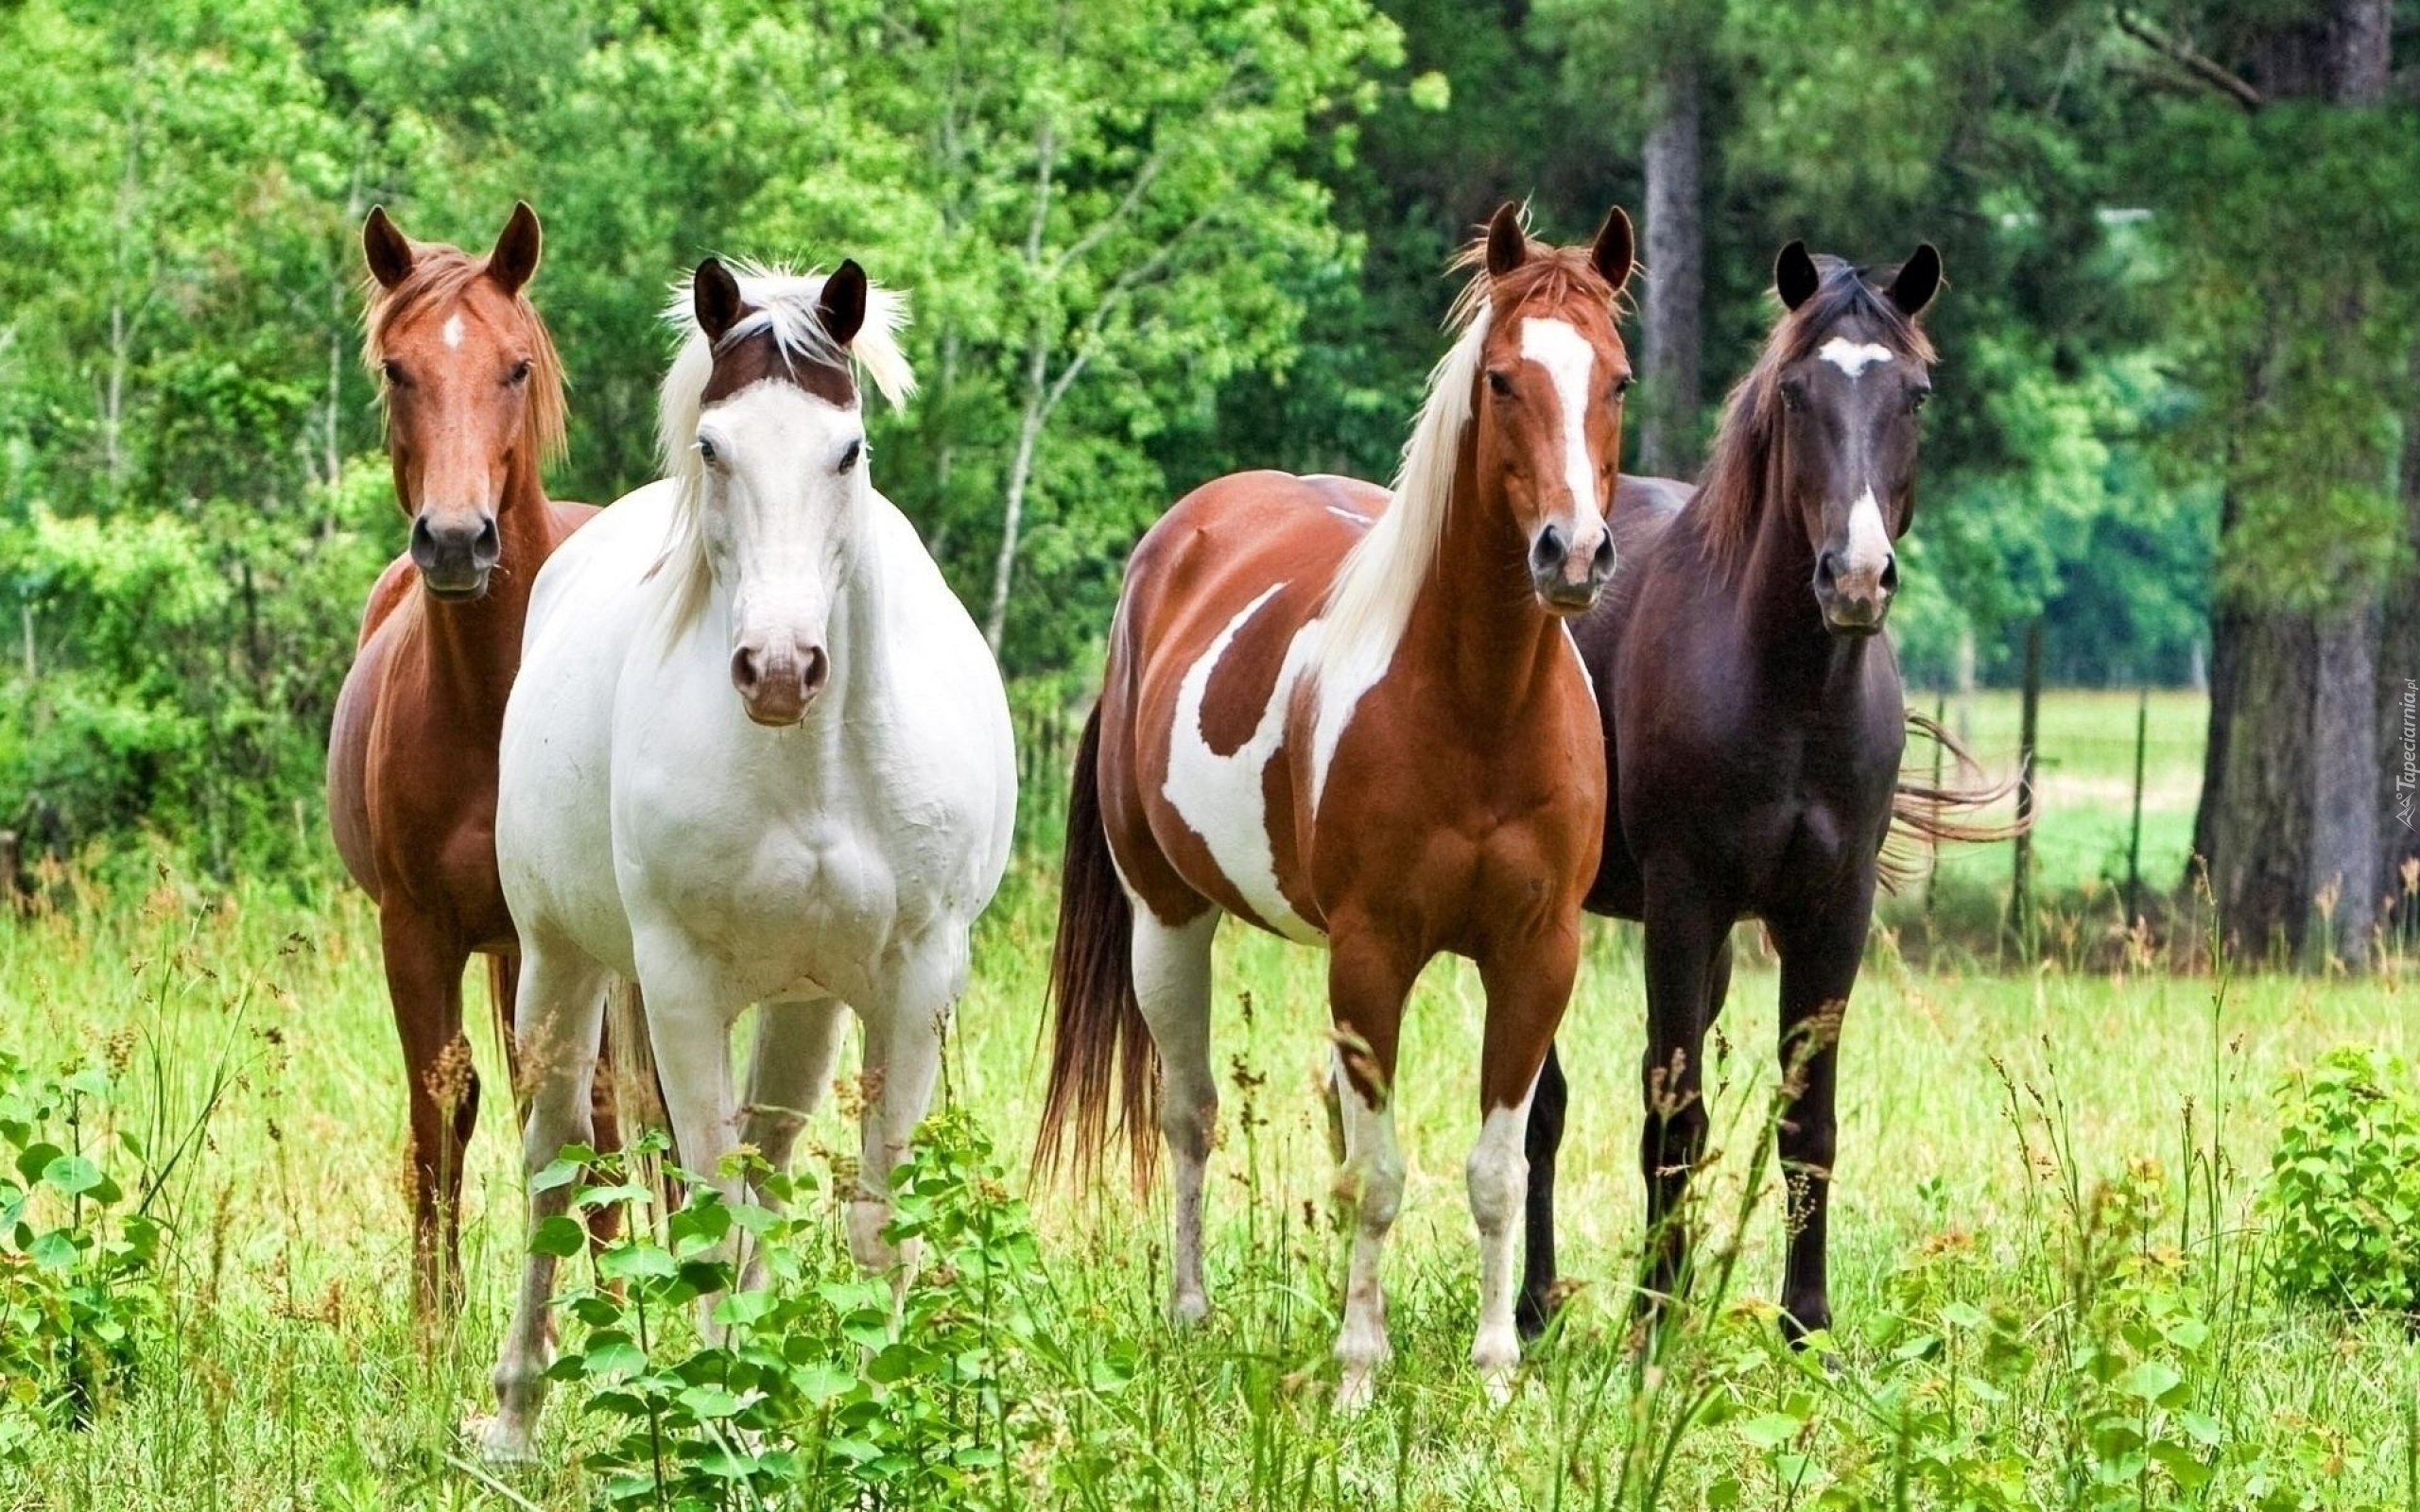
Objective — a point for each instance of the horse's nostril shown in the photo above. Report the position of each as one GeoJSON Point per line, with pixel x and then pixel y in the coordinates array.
{"type": "Point", "coordinates": [1890, 574]}
{"type": "Point", "coordinates": [743, 670]}
{"type": "Point", "coordinates": [423, 539]}
{"type": "Point", "coordinates": [1827, 570]}
{"type": "Point", "coordinates": [486, 547]}
{"type": "Point", "coordinates": [1602, 563]}
{"type": "Point", "coordinates": [815, 667]}
{"type": "Point", "coordinates": [1548, 551]}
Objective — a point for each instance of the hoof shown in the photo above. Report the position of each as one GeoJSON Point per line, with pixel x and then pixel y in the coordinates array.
{"type": "Point", "coordinates": [1355, 1387]}
{"type": "Point", "coordinates": [499, 1442]}
{"type": "Point", "coordinates": [1497, 1357]}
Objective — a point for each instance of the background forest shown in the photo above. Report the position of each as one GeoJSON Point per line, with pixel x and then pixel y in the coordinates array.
{"type": "Point", "coordinates": [1151, 243]}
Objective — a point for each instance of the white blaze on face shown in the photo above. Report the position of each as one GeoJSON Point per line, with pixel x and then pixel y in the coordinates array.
{"type": "Point", "coordinates": [1869, 538]}
{"type": "Point", "coordinates": [452, 332]}
{"type": "Point", "coordinates": [1570, 364]}
{"type": "Point", "coordinates": [1853, 357]}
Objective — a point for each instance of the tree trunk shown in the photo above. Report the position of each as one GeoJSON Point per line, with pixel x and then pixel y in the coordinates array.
{"type": "Point", "coordinates": [2257, 816]}
{"type": "Point", "coordinates": [2344, 781]}
{"type": "Point", "coordinates": [2398, 696]}
{"type": "Point", "coordinates": [1037, 409]}
{"type": "Point", "coordinates": [2289, 816]}
{"type": "Point", "coordinates": [1668, 439]}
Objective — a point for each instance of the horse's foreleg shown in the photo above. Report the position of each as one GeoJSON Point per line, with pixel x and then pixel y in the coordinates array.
{"type": "Point", "coordinates": [556, 1023]}
{"type": "Point", "coordinates": [1528, 984]}
{"type": "Point", "coordinates": [1681, 943]}
{"type": "Point", "coordinates": [442, 1090]}
{"type": "Point", "coordinates": [1819, 962]}
{"type": "Point", "coordinates": [1172, 986]}
{"type": "Point", "coordinates": [1541, 1143]}
{"type": "Point", "coordinates": [1369, 976]}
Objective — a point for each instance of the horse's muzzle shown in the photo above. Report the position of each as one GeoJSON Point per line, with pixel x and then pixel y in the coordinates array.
{"type": "Point", "coordinates": [455, 559]}
{"type": "Point", "coordinates": [778, 680]}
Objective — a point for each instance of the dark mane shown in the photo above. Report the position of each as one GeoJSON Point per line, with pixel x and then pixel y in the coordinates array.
{"type": "Point", "coordinates": [438, 276]}
{"type": "Point", "coordinates": [1734, 484]}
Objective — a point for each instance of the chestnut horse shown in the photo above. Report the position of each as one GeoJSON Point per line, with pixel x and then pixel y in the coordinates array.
{"type": "Point", "coordinates": [474, 399]}
{"type": "Point", "coordinates": [1357, 719]}
{"type": "Point", "coordinates": [1753, 723]}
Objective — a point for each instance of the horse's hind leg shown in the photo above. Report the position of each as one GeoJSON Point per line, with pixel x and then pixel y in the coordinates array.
{"type": "Point", "coordinates": [1542, 1144]}
{"type": "Point", "coordinates": [1172, 986]}
{"type": "Point", "coordinates": [559, 1017]}
{"type": "Point", "coordinates": [903, 1059]}
{"type": "Point", "coordinates": [796, 1046]}
{"type": "Point", "coordinates": [425, 984]}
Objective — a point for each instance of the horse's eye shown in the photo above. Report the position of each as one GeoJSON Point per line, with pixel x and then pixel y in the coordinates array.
{"type": "Point", "coordinates": [1917, 400]}
{"type": "Point", "coordinates": [1498, 384]}
{"type": "Point", "coordinates": [520, 373]}
{"type": "Point", "coordinates": [393, 372]}
{"type": "Point", "coordinates": [1793, 395]}
{"type": "Point", "coordinates": [706, 453]}
{"type": "Point", "coordinates": [849, 458]}
{"type": "Point", "coordinates": [1624, 385]}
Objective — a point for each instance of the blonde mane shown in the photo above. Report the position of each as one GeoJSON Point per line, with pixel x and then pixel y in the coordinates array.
{"type": "Point", "coordinates": [785, 303]}
{"type": "Point", "coordinates": [1382, 575]}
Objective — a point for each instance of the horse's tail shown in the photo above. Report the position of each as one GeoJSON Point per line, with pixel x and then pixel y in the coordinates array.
{"type": "Point", "coordinates": [1100, 1047]}
{"type": "Point", "coordinates": [629, 1062]}
{"type": "Point", "coordinates": [631, 1080]}
{"type": "Point", "coordinates": [1925, 816]}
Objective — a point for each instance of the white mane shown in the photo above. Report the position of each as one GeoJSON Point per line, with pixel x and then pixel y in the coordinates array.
{"type": "Point", "coordinates": [1382, 576]}
{"type": "Point", "coordinates": [785, 303]}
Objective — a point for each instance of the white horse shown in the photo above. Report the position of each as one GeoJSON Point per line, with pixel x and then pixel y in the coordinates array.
{"type": "Point", "coordinates": [757, 754]}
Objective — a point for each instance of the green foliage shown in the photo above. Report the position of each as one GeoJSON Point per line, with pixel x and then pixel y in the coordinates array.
{"type": "Point", "coordinates": [2342, 1197]}
{"type": "Point", "coordinates": [814, 1391]}
{"type": "Point", "coordinates": [79, 1297]}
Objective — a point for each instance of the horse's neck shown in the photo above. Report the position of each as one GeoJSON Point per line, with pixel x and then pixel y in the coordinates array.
{"type": "Point", "coordinates": [474, 648]}
{"type": "Point", "coordinates": [1478, 614]}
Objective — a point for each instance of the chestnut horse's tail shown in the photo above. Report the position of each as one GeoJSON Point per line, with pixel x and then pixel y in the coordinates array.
{"type": "Point", "coordinates": [629, 1062]}
{"type": "Point", "coordinates": [1101, 1048]}
{"type": "Point", "coordinates": [1925, 816]}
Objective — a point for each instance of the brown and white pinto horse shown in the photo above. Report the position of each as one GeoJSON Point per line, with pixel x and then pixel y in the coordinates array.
{"type": "Point", "coordinates": [474, 399]}
{"type": "Point", "coordinates": [1358, 720]}
{"type": "Point", "coordinates": [1754, 724]}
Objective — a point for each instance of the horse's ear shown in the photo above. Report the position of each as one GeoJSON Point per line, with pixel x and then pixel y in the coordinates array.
{"type": "Point", "coordinates": [515, 257]}
{"type": "Point", "coordinates": [1611, 253]}
{"type": "Point", "coordinates": [843, 305]}
{"type": "Point", "coordinates": [1794, 275]}
{"type": "Point", "coordinates": [714, 295]}
{"type": "Point", "coordinates": [1507, 245]}
{"type": "Point", "coordinates": [388, 250]}
{"type": "Point", "coordinates": [1917, 281]}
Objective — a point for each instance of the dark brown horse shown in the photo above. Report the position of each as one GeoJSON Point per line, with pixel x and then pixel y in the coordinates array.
{"type": "Point", "coordinates": [1355, 720]}
{"type": "Point", "coordinates": [474, 399]}
{"type": "Point", "coordinates": [1753, 723]}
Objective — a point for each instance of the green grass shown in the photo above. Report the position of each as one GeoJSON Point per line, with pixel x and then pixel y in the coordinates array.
{"type": "Point", "coordinates": [289, 1374]}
